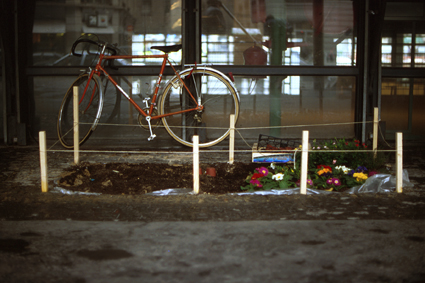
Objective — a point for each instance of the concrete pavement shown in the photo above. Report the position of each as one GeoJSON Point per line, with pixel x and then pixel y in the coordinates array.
{"type": "Point", "coordinates": [245, 251]}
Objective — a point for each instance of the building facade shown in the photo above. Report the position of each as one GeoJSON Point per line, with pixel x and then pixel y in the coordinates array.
{"type": "Point", "coordinates": [317, 65]}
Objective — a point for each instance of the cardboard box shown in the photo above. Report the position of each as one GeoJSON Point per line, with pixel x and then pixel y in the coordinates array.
{"type": "Point", "coordinates": [260, 155]}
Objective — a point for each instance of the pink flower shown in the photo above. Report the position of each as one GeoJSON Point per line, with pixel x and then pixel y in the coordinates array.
{"type": "Point", "coordinates": [336, 182]}
{"type": "Point", "coordinates": [263, 170]}
{"type": "Point", "coordinates": [371, 173]}
{"type": "Point", "coordinates": [333, 182]}
{"type": "Point", "coordinates": [256, 183]}
{"type": "Point", "coordinates": [309, 182]}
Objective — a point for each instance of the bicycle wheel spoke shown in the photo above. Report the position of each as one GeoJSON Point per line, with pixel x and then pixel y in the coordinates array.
{"type": "Point", "coordinates": [217, 96]}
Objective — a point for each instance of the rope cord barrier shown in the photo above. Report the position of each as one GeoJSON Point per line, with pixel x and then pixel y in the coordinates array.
{"type": "Point", "coordinates": [210, 151]}
{"type": "Point", "coordinates": [242, 128]}
{"type": "Point", "coordinates": [304, 150]}
{"type": "Point", "coordinates": [238, 130]}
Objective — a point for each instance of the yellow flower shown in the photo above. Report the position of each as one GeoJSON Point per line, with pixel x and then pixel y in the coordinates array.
{"type": "Point", "coordinates": [360, 176]}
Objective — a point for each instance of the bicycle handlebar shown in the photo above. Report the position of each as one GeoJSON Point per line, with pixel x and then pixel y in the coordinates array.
{"type": "Point", "coordinates": [100, 44]}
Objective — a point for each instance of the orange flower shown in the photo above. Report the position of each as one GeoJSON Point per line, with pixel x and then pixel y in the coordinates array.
{"type": "Point", "coordinates": [323, 171]}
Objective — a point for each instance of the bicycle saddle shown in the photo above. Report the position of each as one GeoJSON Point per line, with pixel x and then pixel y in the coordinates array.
{"type": "Point", "coordinates": [168, 49]}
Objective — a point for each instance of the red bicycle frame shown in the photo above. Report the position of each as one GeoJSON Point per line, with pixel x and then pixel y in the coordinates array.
{"type": "Point", "coordinates": [99, 70]}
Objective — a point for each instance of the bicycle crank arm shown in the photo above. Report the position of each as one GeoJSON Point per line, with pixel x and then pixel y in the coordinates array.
{"type": "Point", "coordinates": [148, 119]}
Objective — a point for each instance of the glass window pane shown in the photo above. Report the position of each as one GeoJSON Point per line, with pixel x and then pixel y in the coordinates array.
{"type": "Point", "coordinates": [275, 32]}
{"type": "Point", "coordinates": [1, 107]}
{"type": "Point", "coordinates": [420, 50]}
{"type": "Point", "coordinates": [133, 25]}
{"type": "Point", "coordinates": [402, 105]}
{"type": "Point", "coordinates": [297, 102]}
{"type": "Point", "coordinates": [49, 92]}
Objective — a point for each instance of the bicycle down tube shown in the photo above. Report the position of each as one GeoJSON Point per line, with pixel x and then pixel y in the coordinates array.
{"type": "Point", "coordinates": [158, 82]}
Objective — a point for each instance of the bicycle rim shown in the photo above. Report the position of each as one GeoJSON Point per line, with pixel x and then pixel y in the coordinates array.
{"type": "Point", "coordinates": [89, 110]}
{"type": "Point", "coordinates": [218, 97]}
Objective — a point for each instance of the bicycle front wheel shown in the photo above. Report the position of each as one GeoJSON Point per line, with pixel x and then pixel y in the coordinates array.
{"type": "Point", "coordinates": [214, 91]}
{"type": "Point", "coordinates": [90, 99]}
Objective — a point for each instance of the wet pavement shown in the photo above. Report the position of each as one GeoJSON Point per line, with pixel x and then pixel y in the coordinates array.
{"type": "Point", "coordinates": [223, 249]}
{"type": "Point", "coordinates": [244, 251]}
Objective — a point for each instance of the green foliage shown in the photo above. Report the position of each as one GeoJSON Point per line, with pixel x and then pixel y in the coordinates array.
{"type": "Point", "coordinates": [273, 177]}
{"type": "Point", "coordinates": [337, 152]}
{"type": "Point", "coordinates": [332, 165]}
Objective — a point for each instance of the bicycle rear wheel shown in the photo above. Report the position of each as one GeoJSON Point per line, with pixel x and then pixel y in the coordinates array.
{"type": "Point", "coordinates": [89, 111]}
{"type": "Point", "coordinates": [214, 91]}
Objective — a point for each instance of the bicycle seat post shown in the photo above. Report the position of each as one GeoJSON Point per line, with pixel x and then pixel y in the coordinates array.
{"type": "Point", "coordinates": [146, 101]}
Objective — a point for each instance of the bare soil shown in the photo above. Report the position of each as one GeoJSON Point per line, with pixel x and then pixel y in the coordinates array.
{"type": "Point", "coordinates": [124, 189]}
{"type": "Point", "coordinates": [136, 179]}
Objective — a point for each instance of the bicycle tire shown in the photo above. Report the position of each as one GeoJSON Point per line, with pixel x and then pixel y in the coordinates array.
{"type": "Point", "coordinates": [215, 92]}
{"type": "Point", "coordinates": [89, 110]}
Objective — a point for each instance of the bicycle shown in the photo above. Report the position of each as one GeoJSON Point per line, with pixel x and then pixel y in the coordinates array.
{"type": "Point", "coordinates": [198, 100]}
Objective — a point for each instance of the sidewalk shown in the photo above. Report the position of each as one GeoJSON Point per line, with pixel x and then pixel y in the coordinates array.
{"type": "Point", "coordinates": [245, 251]}
{"type": "Point", "coordinates": [51, 237]}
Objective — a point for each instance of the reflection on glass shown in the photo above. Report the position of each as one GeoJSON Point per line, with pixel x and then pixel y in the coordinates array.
{"type": "Point", "coordinates": [402, 105]}
{"type": "Point", "coordinates": [255, 32]}
{"type": "Point", "coordinates": [302, 103]}
{"type": "Point", "coordinates": [133, 25]}
{"type": "Point", "coordinates": [275, 32]}
{"type": "Point", "coordinates": [402, 50]}
{"type": "Point", "coordinates": [1, 108]}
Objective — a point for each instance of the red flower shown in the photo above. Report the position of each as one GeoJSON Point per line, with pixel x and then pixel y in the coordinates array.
{"type": "Point", "coordinates": [256, 176]}
{"type": "Point", "coordinates": [324, 167]}
{"type": "Point", "coordinates": [371, 173]}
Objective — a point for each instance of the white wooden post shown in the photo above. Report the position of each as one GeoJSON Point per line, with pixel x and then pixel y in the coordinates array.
{"type": "Point", "coordinates": [375, 130]}
{"type": "Point", "coordinates": [304, 164]}
{"type": "Point", "coordinates": [43, 162]}
{"type": "Point", "coordinates": [232, 139]}
{"type": "Point", "coordinates": [76, 127]}
{"type": "Point", "coordinates": [196, 164]}
{"type": "Point", "coordinates": [399, 162]}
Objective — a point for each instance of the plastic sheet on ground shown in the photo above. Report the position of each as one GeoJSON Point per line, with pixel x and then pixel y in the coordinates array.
{"type": "Point", "coordinates": [69, 192]}
{"type": "Point", "coordinates": [171, 192]}
{"type": "Point", "coordinates": [379, 183]}
{"type": "Point", "coordinates": [292, 191]}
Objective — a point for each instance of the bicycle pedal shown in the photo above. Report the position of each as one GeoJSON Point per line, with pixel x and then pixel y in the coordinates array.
{"type": "Point", "coordinates": [151, 137]}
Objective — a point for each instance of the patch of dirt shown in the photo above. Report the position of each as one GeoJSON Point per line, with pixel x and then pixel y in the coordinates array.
{"type": "Point", "coordinates": [136, 179]}
{"type": "Point", "coordinates": [123, 188]}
